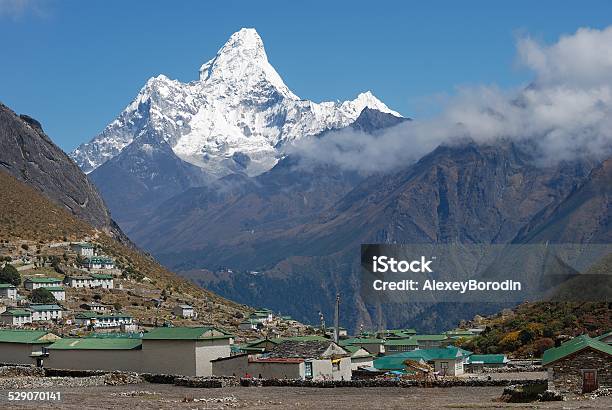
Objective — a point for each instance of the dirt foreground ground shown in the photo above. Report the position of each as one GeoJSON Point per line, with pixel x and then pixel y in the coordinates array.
{"type": "Point", "coordinates": [159, 396]}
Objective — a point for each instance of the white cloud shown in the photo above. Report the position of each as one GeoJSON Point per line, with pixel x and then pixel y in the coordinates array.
{"type": "Point", "coordinates": [18, 8]}
{"type": "Point", "coordinates": [567, 110]}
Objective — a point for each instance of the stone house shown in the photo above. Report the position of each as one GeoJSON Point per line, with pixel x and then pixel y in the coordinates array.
{"type": "Point", "coordinates": [186, 351]}
{"type": "Point", "coordinates": [95, 307]}
{"type": "Point", "coordinates": [44, 312]}
{"type": "Point", "coordinates": [40, 282]}
{"type": "Point", "coordinates": [290, 359]}
{"type": "Point", "coordinates": [8, 291]}
{"type": "Point", "coordinates": [17, 346]}
{"type": "Point", "coordinates": [579, 365]}
{"type": "Point", "coordinates": [16, 317]}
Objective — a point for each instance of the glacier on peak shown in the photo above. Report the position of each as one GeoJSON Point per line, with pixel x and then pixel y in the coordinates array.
{"type": "Point", "coordinates": [234, 118]}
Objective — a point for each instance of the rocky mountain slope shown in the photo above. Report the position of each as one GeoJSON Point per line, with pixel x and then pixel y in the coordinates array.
{"type": "Point", "coordinates": [28, 217]}
{"type": "Point", "coordinates": [468, 193]}
{"type": "Point", "coordinates": [28, 154]}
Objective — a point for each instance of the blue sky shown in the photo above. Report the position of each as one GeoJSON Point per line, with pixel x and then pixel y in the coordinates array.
{"type": "Point", "coordinates": [75, 65]}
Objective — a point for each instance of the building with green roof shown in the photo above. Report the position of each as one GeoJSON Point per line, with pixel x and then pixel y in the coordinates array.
{"type": "Point", "coordinates": [36, 282]}
{"type": "Point", "coordinates": [8, 291]}
{"type": "Point", "coordinates": [431, 341]}
{"type": "Point", "coordinates": [393, 346]}
{"type": "Point", "coordinates": [373, 345]}
{"type": "Point", "coordinates": [95, 353]}
{"type": "Point", "coordinates": [17, 345]}
{"type": "Point", "coordinates": [477, 362]}
{"type": "Point", "coordinates": [184, 351]}
{"type": "Point", "coordinates": [447, 361]}
{"type": "Point", "coordinates": [579, 365]}
{"type": "Point", "coordinates": [44, 312]}
{"type": "Point", "coordinates": [16, 317]}
{"type": "Point", "coordinates": [58, 292]}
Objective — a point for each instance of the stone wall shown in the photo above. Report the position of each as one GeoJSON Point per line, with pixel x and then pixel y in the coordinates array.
{"type": "Point", "coordinates": [567, 373]}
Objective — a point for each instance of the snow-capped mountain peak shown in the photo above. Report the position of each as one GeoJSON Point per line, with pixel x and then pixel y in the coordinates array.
{"type": "Point", "coordinates": [234, 118]}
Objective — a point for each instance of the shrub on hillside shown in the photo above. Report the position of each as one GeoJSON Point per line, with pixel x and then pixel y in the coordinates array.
{"type": "Point", "coordinates": [9, 274]}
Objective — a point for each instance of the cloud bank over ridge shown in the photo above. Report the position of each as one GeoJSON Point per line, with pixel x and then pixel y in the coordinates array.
{"type": "Point", "coordinates": [566, 110]}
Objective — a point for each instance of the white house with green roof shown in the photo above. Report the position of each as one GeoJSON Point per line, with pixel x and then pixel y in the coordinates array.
{"type": "Point", "coordinates": [17, 345]}
{"type": "Point", "coordinates": [446, 361]}
{"type": "Point", "coordinates": [98, 262]}
{"type": "Point", "coordinates": [8, 291]}
{"type": "Point", "coordinates": [478, 362]}
{"type": "Point", "coordinates": [43, 312]}
{"type": "Point", "coordinates": [93, 280]}
{"type": "Point", "coordinates": [184, 351]}
{"type": "Point", "coordinates": [16, 317]}
{"type": "Point", "coordinates": [96, 353]}
{"type": "Point", "coordinates": [40, 282]}
{"type": "Point", "coordinates": [407, 344]}
{"type": "Point", "coordinates": [58, 292]}
{"type": "Point", "coordinates": [103, 320]}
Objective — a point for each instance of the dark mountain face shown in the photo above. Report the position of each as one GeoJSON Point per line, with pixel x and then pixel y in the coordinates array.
{"type": "Point", "coordinates": [144, 175]}
{"type": "Point", "coordinates": [28, 154]}
{"type": "Point", "coordinates": [300, 229]}
{"type": "Point", "coordinates": [585, 216]}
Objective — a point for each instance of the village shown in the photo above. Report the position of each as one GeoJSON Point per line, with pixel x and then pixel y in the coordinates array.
{"type": "Point", "coordinates": [62, 312]}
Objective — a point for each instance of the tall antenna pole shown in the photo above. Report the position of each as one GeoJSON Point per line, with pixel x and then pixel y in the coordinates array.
{"type": "Point", "coordinates": [337, 319]}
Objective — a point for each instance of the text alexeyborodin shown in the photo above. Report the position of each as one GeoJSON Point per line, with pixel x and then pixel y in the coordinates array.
{"type": "Point", "coordinates": [384, 264]}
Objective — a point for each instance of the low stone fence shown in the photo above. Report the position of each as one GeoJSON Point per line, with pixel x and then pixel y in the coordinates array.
{"type": "Point", "coordinates": [21, 371]}
{"type": "Point", "coordinates": [206, 382]}
{"type": "Point", "coordinates": [386, 383]}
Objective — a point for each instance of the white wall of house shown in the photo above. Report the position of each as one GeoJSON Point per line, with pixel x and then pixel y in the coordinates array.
{"type": "Point", "coordinates": [31, 286]}
{"type": "Point", "coordinates": [46, 315]}
{"type": "Point", "coordinates": [449, 367]}
{"type": "Point", "coordinates": [15, 320]}
{"type": "Point", "coordinates": [324, 369]}
{"type": "Point", "coordinates": [59, 294]}
{"type": "Point", "coordinates": [8, 293]}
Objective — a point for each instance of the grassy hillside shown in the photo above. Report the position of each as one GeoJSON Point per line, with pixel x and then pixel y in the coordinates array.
{"type": "Point", "coordinates": [532, 328]}
{"type": "Point", "coordinates": [31, 226]}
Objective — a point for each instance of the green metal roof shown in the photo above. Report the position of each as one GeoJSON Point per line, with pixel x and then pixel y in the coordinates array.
{"type": "Point", "coordinates": [361, 340]}
{"type": "Point", "coordinates": [43, 280]}
{"type": "Point", "coordinates": [24, 336]}
{"type": "Point", "coordinates": [430, 337]}
{"type": "Point", "coordinates": [54, 288]}
{"type": "Point", "coordinates": [396, 361]}
{"type": "Point", "coordinates": [41, 308]}
{"type": "Point", "coordinates": [601, 337]}
{"type": "Point", "coordinates": [6, 286]}
{"type": "Point", "coordinates": [186, 333]}
{"type": "Point", "coordinates": [93, 343]}
{"type": "Point", "coordinates": [488, 358]}
{"type": "Point", "coordinates": [101, 276]}
{"type": "Point", "coordinates": [402, 342]}
{"type": "Point", "coordinates": [573, 346]}
{"type": "Point", "coordinates": [17, 312]}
